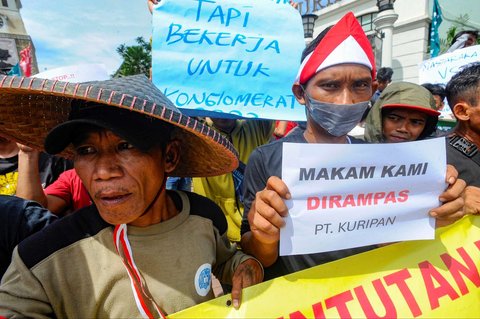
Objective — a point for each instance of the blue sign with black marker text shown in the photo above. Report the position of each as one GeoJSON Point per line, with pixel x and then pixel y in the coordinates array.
{"type": "Point", "coordinates": [237, 57]}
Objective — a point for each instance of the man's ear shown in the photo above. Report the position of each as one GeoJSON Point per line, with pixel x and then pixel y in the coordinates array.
{"type": "Point", "coordinates": [172, 156]}
{"type": "Point", "coordinates": [461, 110]}
{"type": "Point", "coordinates": [299, 93]}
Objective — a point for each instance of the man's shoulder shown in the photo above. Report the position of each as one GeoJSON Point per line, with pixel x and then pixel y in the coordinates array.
{"type": "Point", "coordinates": [23, 217]}
{"type": "Point", "coordinates": [296, 136]}
{"type": "Point", "coordinates": [68, 230]}
{"type": "Point", "coordinates": [460, 145]}
{"type": "Point", "coordinates": [255, 129]}
{"type": "Point", "coordinates": [356, 140]}
{"type": "Point", "coordinates": [462, 154]}
{"type": "Point", "coordinates": [206, 208]}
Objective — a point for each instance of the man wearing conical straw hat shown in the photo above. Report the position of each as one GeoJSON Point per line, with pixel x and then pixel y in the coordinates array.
{"type": "Point", "coordinates": [139, 250]}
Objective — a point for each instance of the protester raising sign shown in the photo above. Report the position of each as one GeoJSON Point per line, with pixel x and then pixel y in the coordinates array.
{"type": "Point", "coordinates": [238, 57]}
{"type": "Point", "coordinates": [364, 195]}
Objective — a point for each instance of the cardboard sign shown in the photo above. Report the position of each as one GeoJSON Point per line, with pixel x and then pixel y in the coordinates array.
{"type": "Point", "coordinates": [76, 73]}
{"type": "Point", "coordinates": [237, 57]}
{"type": "Point", "coordinates": [353, 195]}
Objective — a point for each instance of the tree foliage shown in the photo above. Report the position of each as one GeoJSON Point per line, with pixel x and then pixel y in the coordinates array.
{"type": "Point", "coordinates": [137, 59]}
{"type": "Point", "coordinates": [460, 24]}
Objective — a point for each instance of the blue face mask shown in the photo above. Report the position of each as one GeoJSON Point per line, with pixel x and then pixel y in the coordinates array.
{"type": "Point", "coordinates": [336, 119]}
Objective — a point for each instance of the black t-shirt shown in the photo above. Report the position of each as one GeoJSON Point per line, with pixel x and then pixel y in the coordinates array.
{"type": "Point", "coordinates": [468, 167]}
{"type": "Point", "coordinates": [19, 218]}
{"type": "Point", "coordinates": [50, 167]}
{"type": "Point", "coordinates": [266, 161]}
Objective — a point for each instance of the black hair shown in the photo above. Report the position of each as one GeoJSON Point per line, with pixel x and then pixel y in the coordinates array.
{"type": "Point", "coordinates": [459, 34]}
{"type": "Point", "coordinates": [430, 127]}
{"type": "Point", "coordinates": [464, 85]}
{"type": "Point", "coordinates": [314, 43]}
{"type": "Point", "coordinates": [384, 74]}
{"type": "Point", "coordinates": [84, 130]}
{"type": "Point", "coordinates": [143, 131]}
{"type": "Point", "coordinates": [436, 89]}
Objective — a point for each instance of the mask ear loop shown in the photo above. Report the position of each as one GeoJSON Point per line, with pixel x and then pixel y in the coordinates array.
{"type": "Point", "coordinates": [303, 89]}
{"type": "Point", "coordinates": [308, 108]}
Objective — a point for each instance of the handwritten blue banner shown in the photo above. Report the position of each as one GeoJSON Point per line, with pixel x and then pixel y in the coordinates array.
{"type": "Point", "coordinates": [237, 57]}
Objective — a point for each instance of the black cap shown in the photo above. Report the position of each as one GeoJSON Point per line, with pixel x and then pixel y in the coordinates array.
{"type": "Point", "coordinates": [140, 130]}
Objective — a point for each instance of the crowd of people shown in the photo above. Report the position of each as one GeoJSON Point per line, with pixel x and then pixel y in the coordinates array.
{"type": "Point", "coordinates": [94, 231]}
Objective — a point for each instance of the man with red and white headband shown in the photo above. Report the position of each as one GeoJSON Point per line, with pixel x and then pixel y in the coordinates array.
{"type": "Point", "coordinates": [335, 85]}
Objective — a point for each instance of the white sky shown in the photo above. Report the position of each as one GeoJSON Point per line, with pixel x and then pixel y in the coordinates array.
{"type": "Point", "coordinates": [68, 32]}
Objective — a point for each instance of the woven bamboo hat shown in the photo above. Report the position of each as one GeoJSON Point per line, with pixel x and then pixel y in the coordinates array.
{"type": "Point", "coordinates": [30, 108]}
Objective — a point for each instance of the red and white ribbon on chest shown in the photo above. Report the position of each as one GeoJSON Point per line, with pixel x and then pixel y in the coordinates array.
{"type": "Point", "coordinates": [145, 303]}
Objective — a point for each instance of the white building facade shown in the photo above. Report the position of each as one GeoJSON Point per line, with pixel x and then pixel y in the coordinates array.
{"type": "Point", "coordinates": [403, 45]}
{"type": "Point", "coordinates": [13, 36]}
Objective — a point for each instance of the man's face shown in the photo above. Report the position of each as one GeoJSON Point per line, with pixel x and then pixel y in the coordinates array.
{"type": "Point", "coordinates": [382, 85]}
{"type": "Point", "coordinates": [341, 84]}
{"type": "Point", "coordinates": [472, 40]}
{"type": "Point", "coordinates": [474, 117]}
{"type": "Point", "coordinates": [438, 102]}
{"type": "Point", "coordinates": [122, 180]}
{"type": "Point", "coordinates": [402, 125]}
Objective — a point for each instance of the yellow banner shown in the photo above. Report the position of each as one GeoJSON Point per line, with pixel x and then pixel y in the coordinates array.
{"type": "Point", "coordinates": [426, 279]}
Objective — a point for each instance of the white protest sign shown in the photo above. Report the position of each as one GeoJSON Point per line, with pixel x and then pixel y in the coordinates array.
{"type": "Point", "coordinates": [238, 57]}
{"type": "Point", "coordinates": [76, 73]}
{"type": "Point", "coordinates": [353, 195]}
{"type": "Point", "coordinates": [441, 68]}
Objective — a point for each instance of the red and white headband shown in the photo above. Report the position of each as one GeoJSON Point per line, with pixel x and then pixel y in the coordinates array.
{"type": "Point", "coordinates": [345, 42]}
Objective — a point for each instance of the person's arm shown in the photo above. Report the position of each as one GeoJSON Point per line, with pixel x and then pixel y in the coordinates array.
{"type": "Point", "coordinates": [235, 267]}
{"type": "Point", "coordinates": [56, 205]}
{"type": "Point", "coordinates": [150, 4]}
{"type": "Point", "coordinates": [19, 218]}
{"type": "Point", "coordinates": [29, 185]}
{"type": "Point", "coordinates": [265, 218]}
{"type": "Point", "coordinates": [247, 274]}
{"type": "Point", "coordinates": [280, 129]}
{"type": "Point", "coordinates": [25, 298]}
{"type": "Point", "coordinates": [256, 178]}
{"type": "Point", "coordinates": [471, 197]}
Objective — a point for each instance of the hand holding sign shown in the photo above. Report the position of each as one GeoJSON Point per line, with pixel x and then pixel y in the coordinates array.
{"type": "Point", "coordinates": [360, 195]}
{"type": "Point", "coordinates": [247, 274]}
{"type": "Point", "coordinates": [471, 197]}
{"type": "Point", "coordinates": [453, 202]}
{"type": "Point", "coordinates": [266, 218]}
{"type": "Point", "coordinates": [268, 212]}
